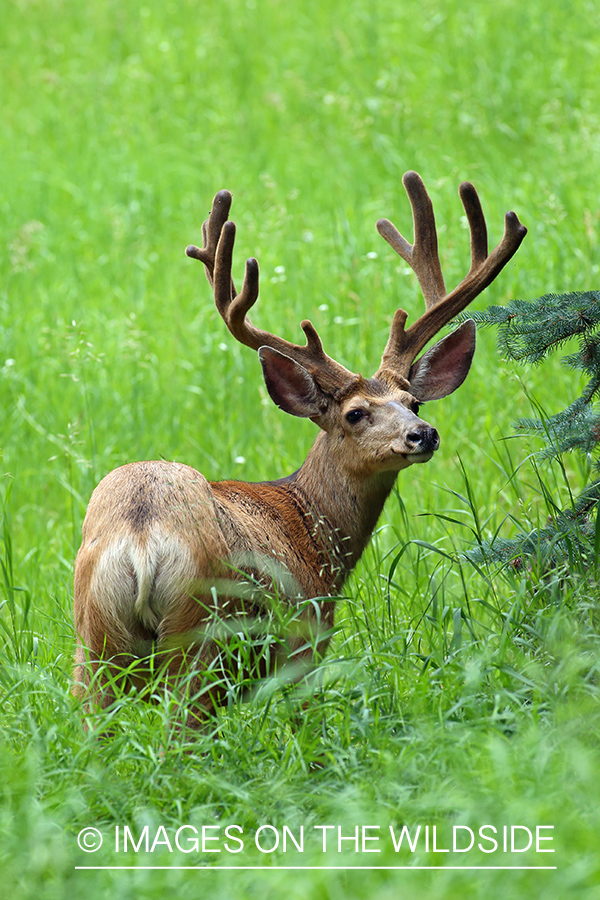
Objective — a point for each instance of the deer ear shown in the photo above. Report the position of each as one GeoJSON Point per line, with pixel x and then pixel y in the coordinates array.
{"type": "Point", "coordinates": [290, 386]}
{"type": "Point", "coordinates": [445, 366]}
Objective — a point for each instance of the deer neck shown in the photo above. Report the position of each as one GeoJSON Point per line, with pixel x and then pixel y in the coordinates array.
{"type": "Point", "coordinates": [343, 506]}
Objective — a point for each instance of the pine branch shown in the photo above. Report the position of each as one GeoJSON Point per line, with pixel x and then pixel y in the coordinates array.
{"type": "Point", "coordinates": [528, 332]}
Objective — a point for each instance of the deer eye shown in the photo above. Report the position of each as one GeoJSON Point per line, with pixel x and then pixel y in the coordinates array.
{"type": "Point", "coordinates": [354, 416]}
{"type": "Point", "coordinates": [415, 407]}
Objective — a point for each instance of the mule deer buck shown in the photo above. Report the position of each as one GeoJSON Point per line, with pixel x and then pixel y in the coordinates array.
{"type": "Point", "coordinates": [161, 543]}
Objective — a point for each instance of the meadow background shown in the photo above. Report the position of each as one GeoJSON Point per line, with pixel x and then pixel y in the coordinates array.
{"type": "Point", "coordinates": [449, 696]}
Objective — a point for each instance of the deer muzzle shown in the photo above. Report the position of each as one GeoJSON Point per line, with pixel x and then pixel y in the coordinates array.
{"type": "Point", "coordinates": [419, 444]}
{"type": "Point", "coordinates": [423, 439]}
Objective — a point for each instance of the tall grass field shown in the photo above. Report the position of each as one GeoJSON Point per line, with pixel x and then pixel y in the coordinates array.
{"type": "Point", "coordinates": [448, 745]}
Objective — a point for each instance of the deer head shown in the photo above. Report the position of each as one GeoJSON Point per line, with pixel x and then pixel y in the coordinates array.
{"type": "Point", "coordinates": [376, 419]}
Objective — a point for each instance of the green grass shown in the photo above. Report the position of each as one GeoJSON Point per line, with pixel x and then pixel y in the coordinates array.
{"type": "Point", "coordinates": [450, 696]}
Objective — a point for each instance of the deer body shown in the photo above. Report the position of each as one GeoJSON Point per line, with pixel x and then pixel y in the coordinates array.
{"type": "Point", "coordinates": [164, 550]}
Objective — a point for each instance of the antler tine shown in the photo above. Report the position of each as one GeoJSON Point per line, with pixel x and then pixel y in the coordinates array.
{"type": "Point", "coordinates": [477, 227]}
{"type": "Point", "coordinates": [422, 256]}
{"type": "Point", "coordinates": [211, 232]}
{"type": "Point", "coordinates": [404, 345]}
{"type": "Point", "coordinates": [217, 255]}
{"type": "Point", "coordinates": [233, 308]}
{"type": "Point", "coordinates": [484, 269]}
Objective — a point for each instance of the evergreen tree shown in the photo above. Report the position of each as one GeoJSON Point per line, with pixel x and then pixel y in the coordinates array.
{"type": "Point", "coordinates": [529, 331]}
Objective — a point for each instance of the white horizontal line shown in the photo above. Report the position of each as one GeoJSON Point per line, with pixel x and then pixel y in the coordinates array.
{"type": "Point", "coordinates": [326, 868]}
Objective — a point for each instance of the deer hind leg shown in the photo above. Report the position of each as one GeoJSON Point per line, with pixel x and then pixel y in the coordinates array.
{"type": "Point", "coordinates": [186, 637]}
{"type": "Point", "coordinates": [99, 679]}
{"type": "Point", "coordinates": [219, 648]}
{"type": "Point", "coordinates": [110, 655]}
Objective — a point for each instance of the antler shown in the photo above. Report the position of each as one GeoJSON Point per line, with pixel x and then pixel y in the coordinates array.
{"type": "Point", "coordinates": [422, 256]}
{"type": "Point", "coordinates": [217, 253]}
{"type": "Point", "coordinates": [211, 232]}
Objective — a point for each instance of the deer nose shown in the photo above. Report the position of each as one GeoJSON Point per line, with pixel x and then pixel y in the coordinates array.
{"type": "Point", "coordinates": [423, 439]}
